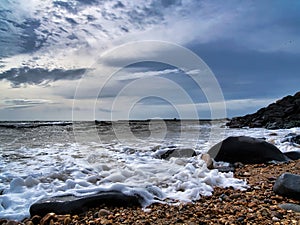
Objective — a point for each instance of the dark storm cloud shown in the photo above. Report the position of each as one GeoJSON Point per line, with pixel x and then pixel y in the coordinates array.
{"type": "Point", "coordinates": [26, 75]}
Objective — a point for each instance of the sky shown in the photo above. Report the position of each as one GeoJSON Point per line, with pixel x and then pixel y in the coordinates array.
{"type": "Point", "coordinates": [109, 60]}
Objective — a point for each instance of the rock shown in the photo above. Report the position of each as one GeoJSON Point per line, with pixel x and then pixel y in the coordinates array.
{"type": "Point", "coordinates": [246, 150]}
{"type": "Point", "coordinates": [36, 219]}
{"type": "Point", "coordinates": [12, 222]}
{"type": "Point", "coordinates": [225, 169]}
{"type": "Point", "coordinates": [294, 155]}
{"type": "Point", "coordinates": [285, 113]}
{"type": "Point", "coordinates": [275, 219]}
{"type": "Point", "coordinates": [178, 153]}
{"type": "Point", "coordinates": [207, 159]}
{"type": "Point", "coordinates": [71, 204]}
{"type": "Point", "coordinates": [293, 138]}
{"type": "Point", "coordinates": [103, 212]}
{"type": "Point", "coordinates": [288, 185]}
{"type": "Point", "coordinates": [290, 206]}
{"type": "Point", "coordinates": [67, 220]}
{"type": "Point", "coordinates": [47, 218]}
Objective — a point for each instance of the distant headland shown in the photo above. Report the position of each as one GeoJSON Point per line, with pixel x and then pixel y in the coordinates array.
{"type": "Point", "coordinates": [282, 114]}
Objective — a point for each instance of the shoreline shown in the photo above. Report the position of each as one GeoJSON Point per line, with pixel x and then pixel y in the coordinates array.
{"type": "Point", "coordinates": [257, 205]}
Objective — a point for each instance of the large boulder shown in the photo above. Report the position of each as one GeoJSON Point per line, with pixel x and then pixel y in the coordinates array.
{"type": "Point", "coordinates": [288, 185]}
{"type": "Point", "coordinates": [246, 150]}
{"type": "Point", "coordinates": [70, 204]}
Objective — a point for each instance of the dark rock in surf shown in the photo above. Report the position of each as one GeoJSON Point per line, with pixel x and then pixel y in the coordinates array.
{"type": "Point", "coordinates": [283, 114]}
{"type": "Point", "coordinates": [71, 204]}
{"type": "Point", "coordinates": [288, 185]}
{"type": "Point", "coordinates": [296, 139]}
{"type": "Point", "coordinates": [294, 155]}
{"type": "Point", "coordinates": [178, 153]}
{"type": "Point", "coordinates": [292, 138]}
{"type": "Point", "coordinates": [246, 150]}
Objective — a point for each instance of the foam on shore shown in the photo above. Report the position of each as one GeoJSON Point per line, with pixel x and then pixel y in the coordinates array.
{"type": "Point", "coordinates": [29, 174]}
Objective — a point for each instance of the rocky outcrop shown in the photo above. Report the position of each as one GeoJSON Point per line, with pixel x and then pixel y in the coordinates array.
{"type": "Point", "coordinates": [288, 185]}
{"type": "Point", "coordinates": [283, 114]}
{"type": "Point", "coordinates": [71, 204]}
{"type": "Point", "coordinates": [246, 150]}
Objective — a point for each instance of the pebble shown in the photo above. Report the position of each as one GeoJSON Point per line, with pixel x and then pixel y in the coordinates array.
{"type": "Point", "coordinates": [12, 222]}
{"type": "Point", "coordinates": [47, 219]}
{"type": "Point", "coordinates": [67, 220]}
{"type": "Point", "coordinates": [103, 212]}
{"type": "Point", "coordinates": [275, 219]}
{"type": "Point", "coordinates": [36, 219]}
{"type": "Point", "coordinates": [207, 159]}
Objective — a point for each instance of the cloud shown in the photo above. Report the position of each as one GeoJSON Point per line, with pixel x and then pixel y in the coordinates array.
{"type": "Point", "coordinates": [69, 24]}
{"type": "Point", "coordinates": [26, 75]}
{"type": "Point", "coordinates": [250, 45]}
{"type": "Point", "coordinates": [23, 103]}
{"type": "Point", "coordinates": [74, 27]}
{"type": "Point", "coordinates": [137, 75]}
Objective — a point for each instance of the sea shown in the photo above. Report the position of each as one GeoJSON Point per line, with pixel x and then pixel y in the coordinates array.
{"type": "Point", "coordinates": [40, 159]}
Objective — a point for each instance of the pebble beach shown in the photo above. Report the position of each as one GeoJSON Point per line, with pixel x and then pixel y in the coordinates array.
{"type": "Point", "coordinates": [257, 205]}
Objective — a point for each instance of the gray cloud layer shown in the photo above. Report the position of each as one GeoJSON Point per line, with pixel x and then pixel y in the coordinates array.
{"type": "Point", "coordinates": [26, 75]}
{"type": "Point", "coordinates": [72, 23]}
{"type": "Point", "coordinates": [253, 47]}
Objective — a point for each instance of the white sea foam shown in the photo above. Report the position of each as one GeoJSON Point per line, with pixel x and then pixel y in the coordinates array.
{"type": "Point", "coordinates": [86, 168]}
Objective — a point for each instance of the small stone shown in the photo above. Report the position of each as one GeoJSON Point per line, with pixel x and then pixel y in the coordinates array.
{"type": "Point", "coordinates": [290, 206]}
{"type": "Point", "coordinates": [103, 212]}
{"type": "Point", "coordinates": [223, 197]}
{"type": "Point", "coordinates": [275, 219]}
{"type": "Point", "coordinates": [47, 218]}
{"type": "Point", "coordinates": [264, 212]}
{"type": "Point", "coordinates": [207, 159]}
{"type": "Point", "coordinates": [67, 220]}
{"type": "Point", "coordinates": [75, 217]}
{"type": "Point", "coordinates": [235, 196]}
{"type": "Point", "coordinates": [238, 165]}
{"type": "Point", "coordinates": [29, 222]}
{"type": "Point", "coordinates": [110, 217]}
{"type": "Point", "coordinates": [36, 219]}
{"type": "Point", "coordinates": [268, 201]}
{"type": "Point", "coordinates": [277, 215]}
{"type": "Point", "coordinates": [252, 204]}
{"type": "Point", "coordinates": [12, 222]}
{"type": "Point", "coordinates": [246, 174]}
{"type": "Point", "coordinates": [272, 178]}
{"type": "Point", "coordinates": [241, 219]}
